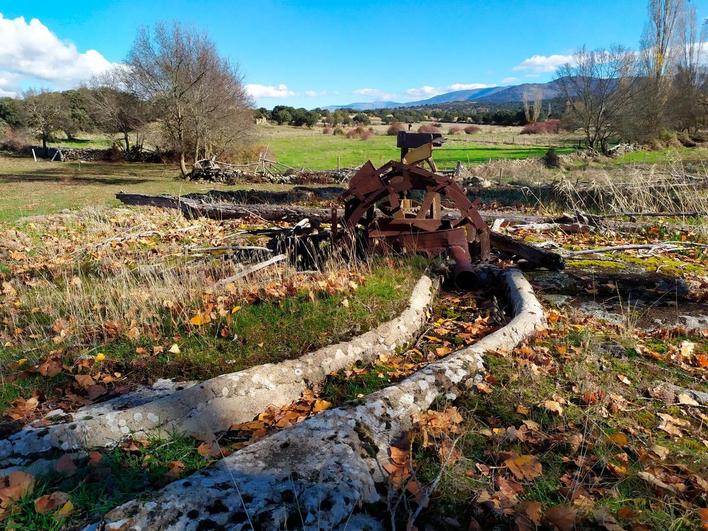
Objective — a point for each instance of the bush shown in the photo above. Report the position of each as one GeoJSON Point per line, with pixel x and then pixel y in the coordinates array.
{"type": "Point", "coordinates": [360, 132]}
{"type": "Point", "coordinates": [14, 139]}
{"type": "Point", "coordinates": [326, 130]}
{"type": "Point", "coordinates": [551, 159]}
{"type": "Point", "coordinates": [395, 127]}
{"type": "Point", "coordinates": [338, 131]}
{"type": "Point", "coordinates": [549, 127]}
{"type": "Point", "coordinates": [471, 129]}
{"type": "Point", "coordinates": [428, 128]}
{"type": "Point", "coordinates": [455, 130]}
{"type": "Point", "coordinates": [362, 119]}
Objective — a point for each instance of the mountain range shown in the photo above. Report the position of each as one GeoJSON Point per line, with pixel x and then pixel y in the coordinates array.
{"type": "Point", "coordinates": [489, 95]}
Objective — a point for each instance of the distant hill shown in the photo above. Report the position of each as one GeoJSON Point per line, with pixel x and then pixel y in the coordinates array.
{"type": "Point", "coordinates": [489, 95]}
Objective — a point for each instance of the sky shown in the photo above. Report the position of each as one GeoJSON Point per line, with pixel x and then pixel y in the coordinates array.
{"type": "Point", "coordinates": [324, 52]}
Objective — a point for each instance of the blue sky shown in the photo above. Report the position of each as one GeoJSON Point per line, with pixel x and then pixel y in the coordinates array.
{"type": "Point", "coordinates": [318, 52]}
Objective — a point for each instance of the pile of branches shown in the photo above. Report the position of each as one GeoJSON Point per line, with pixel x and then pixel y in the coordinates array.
{"type": "Point", "coordinates": [264, 170]}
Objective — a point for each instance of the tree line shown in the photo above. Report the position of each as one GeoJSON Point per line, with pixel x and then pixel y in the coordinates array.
{"type": "Point", "coordinates": [173, 77]}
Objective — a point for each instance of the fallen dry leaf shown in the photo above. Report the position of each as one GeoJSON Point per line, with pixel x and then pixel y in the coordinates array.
{"type": "Point", "coordinates": [524, 467]}
{"type": "Point", "coordinates": [209, 449]}
{"type": "Point", "coordinates": [15, 485]}
{"type": "Point", "coordinates": [66, 510]}
{"type": "Point", "coordinates": [619, 438]}
{"type": "Point", "coordinates": [553, 406]}
{"type": "Point", "coordinates": [687, 400]}
{"type": "Point", "coordinates": [50, 502]}
{"type": "Point", "coordinates": [562, 517]}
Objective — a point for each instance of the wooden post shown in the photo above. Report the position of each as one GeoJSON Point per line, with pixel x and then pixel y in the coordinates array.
{"type": "Point", "coordinates": [34, 156]}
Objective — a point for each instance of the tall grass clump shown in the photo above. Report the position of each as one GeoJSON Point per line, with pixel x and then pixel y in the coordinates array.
{"type": "Point", "coordinates": [472, 129]}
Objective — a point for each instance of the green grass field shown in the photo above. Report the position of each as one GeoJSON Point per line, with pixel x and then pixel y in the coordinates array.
{"type": "Point", "coordinates": [314, 150]}
{"type": "Point", "coordinates": [32, 188]}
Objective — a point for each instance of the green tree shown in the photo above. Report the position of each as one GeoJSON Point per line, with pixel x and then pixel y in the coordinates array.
{"type": "Point", "coordinates": [12, 113]}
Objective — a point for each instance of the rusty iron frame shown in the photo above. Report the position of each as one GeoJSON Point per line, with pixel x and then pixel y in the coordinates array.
{"type": "Point", "coordinates": [375, 204]}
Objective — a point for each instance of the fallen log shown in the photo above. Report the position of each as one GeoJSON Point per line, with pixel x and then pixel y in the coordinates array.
{"type": "Point", "coordinates": [193, 208]}
{"type": "Point", "coordinates": [214, 405]}
{"type": "Point", "coordinates": [534, 255]}
{"type": "Point", "coordinates": [323, 472]}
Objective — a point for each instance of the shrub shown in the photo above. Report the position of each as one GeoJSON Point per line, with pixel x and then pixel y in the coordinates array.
{"type": "Point", "coordinates": [14, 139]}
{"type": "Point", "coordinates": [362, 119]}
{"type": "Point", "coordinates": [471, 129]}
{"type": "Point", "coordinates": [326, 130]}
{"type": "Point", "coordinates": [338, 131]}
{"type": "Point", "coordinates": [395, 127]}
{"type": "Point", "coordinates": [549, 127]}
{"type": "Point", "coordinates": [360, 132]}
{"type": "Point", "coordinates": [428, 128]}
{"type": "Point", "coordinates": [551, 159]}
{"type": "Point", "coordinates": [455, 130]}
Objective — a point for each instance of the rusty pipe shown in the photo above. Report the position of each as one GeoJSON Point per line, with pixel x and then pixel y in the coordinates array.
{"type": "Point", "coordinates": [463, 274]}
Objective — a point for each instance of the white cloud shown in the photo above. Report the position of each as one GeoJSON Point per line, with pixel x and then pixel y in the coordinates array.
{"type": "Point", "coordinates": [31, 51]}
{"type": "Point", "coordinates": [428, 91]}
{"type": "Point", "coordinates": [375, 94]}
{"type": "Point", "coordinates": [315, 93]}
{"type": "Point", "coordinates": [256, 90]}
{"type": "Point", "coordinates": [541, 64]}
{"type": "Point", "coordinates": [508, 80]}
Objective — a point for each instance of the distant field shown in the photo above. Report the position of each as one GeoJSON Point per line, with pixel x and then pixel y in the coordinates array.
{"type": "Point", "coordinates": [31, 188]}
{"type": "Point", "coordinates": [303, 148]}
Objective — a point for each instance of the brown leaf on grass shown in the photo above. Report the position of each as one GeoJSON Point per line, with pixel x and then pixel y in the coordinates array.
{"type": "Point", "coordinates": [50, 502]}
{"type": "Point", "coordinates": [84, 380]}
{"type": "Point", "coordinates": [50, 368]}
{"type": "Point", "coordinates": [14, 486]}
{"type": "Point", "coordinates": [618, 438]}
{"type": "Point", "coordinates": [530, 512]}
{"type": "Point", "coordinates": [22, 407]}
{"type": "Point", "coordinates": [561, 517]}
{"type": "Point", "coordinates": [672, 425]}
{"type": "Point", "coordinates": [524, 467]}
{"type": "Point", "coordinates": [66, 510]}
{"type": "Point", "coordinates": [65, 465]}
{"type": "Point", "coordinates": [522, 410]}
{"type": "Point", "coordinates": [95, 458]}
{"type": "Point", "coordinates": [593, 397]}
{"type": "Point", "coordinates": [661, 451]}
{"type": "Point", "coordinates": [483, 388]}
{"type": "Point", "coordinates": [209, 449]}
{"type": "Point", "coordinates": [553, 406]}
{"type": "Point", "coordinates": [617, 470]}
{"type": "Point", "coordinates": [176, 469]}
{"type": "Point", "coordinates": [687, 400]}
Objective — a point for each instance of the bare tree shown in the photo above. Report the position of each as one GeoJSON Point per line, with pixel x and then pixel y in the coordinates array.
{"type": "Point", "coordinates": [114, 108]}
{"type": "Point", "coordinates": [533, 113]}
{"type": "Point", "coordinates": [598, 88]}
{"type": "Point", "coordinates": [689, 99]}
{"type": "Point", "coordinates": [204, 108]}
{"type": "Point", "coordinates": [657, 57]}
